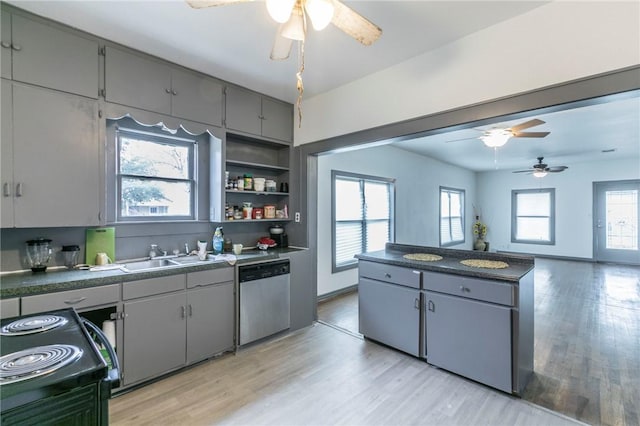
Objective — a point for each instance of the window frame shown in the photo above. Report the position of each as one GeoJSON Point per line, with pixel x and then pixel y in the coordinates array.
{"type": "Point", "coordinates": [336, 174]}
{"type": "Point", "coordinates": [462, 193]}
{"type": "Point", "coordinates": [551, 216]}
{"type": "Point", "coordinates": [157, 136]}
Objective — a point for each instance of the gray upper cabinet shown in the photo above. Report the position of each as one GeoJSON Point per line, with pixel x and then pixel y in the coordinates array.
{"type": "Point", "coordinates": [46, 56]}
{"type": "Point", "coordinates": [6, 155]}
{"type": "Point", "coordinates": [152, 85]}
{"type": "Point", "coordinates": [250, 112]}
{"type": "Point", "coordinates": [55, 147]}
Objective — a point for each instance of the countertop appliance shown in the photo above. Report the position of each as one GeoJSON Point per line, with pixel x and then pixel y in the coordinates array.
{"type": "Point", "coordinates": [278, 234]}
{"type": "Point", "coordinates": [264, 299]}
{"type": "Point", "coordinates": [52, 372]}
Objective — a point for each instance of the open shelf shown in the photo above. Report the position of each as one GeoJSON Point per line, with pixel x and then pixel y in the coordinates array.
{"type": "Point", "coordinates": [257, 166]}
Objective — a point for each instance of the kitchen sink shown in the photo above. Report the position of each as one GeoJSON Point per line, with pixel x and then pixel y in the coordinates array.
{"type": "Point", "coordinates": [145, 265]}
{"type": "Point", "coordinates": [153, 264]}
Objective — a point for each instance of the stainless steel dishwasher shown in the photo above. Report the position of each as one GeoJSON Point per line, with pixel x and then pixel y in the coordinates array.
{"type": "Point", "coordinates": [264, 299]}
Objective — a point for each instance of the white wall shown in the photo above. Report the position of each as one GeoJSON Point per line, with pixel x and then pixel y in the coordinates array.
{"type": "Point", "coordinates": [418, 180]}
{"type": "Point", "coordinates": [574, 204]}
{"type": "Point", "coordinates": [555, 43]}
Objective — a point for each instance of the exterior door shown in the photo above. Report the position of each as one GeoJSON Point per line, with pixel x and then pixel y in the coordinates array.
{"type": "Point", "coordinates": [616, 221]}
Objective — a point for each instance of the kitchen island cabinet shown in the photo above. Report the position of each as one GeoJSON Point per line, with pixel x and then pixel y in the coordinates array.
{"type": "Point", "coordinates": [45, 55]}
{"type": "Point", "coordinates": [55, 154]}
{"type": "Point", "coordinates": [474, 322]}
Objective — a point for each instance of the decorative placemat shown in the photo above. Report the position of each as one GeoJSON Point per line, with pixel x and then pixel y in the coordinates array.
{"type": "Point", "coordinates": [425, 257]}
{"type": "Point", "coordinates": [482, 263]}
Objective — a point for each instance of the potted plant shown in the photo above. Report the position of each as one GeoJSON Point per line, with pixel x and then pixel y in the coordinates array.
{"type": "Point", "coordinates": [479, 231]}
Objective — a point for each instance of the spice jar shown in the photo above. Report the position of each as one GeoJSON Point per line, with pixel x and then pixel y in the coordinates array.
{"type": "Point", "coordinates": [248, 182]}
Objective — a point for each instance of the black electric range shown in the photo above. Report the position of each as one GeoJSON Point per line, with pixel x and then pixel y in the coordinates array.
{"type": "Point", "coordinates": [51, 370]}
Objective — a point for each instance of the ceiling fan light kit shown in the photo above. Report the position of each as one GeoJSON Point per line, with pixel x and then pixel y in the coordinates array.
{"type": "Point", "coordinates": [541, 169]}
{"type": "Point", "coordinates": [280, 10]}
{"type": "Point", "coordinates": [496, 138]}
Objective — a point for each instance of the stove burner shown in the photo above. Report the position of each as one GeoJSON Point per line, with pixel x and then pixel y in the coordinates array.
{"type": "Point", "coordinates": [35, 362]}
{"type": "Point", "coordinates": [30, 325]}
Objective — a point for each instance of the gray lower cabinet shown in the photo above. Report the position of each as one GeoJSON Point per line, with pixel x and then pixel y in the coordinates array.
{"type": "Point", "coordinates": [133, 80]}
{"type": "Point", "coordinates": [210, 322]}
{"type": "Point", "coordinates": [303, 297]}
{"type": "Point", "coordinates": [176, 320]}
{"type": "Point", "coordinates": [44, 55]}
{"type": "Point", "coordinates": [154, 336]}
{"type": "Point", "coordinates": [470, 338]}
{"type": "Point", "coordinates": [67, 162]}
{"type": "Point", "coordinates": [390, 314]}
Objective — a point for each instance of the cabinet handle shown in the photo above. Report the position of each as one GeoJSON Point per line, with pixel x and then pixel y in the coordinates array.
{"type": "Point", "coordinates": [431, 306]}
{"type": "Point", "coordinates": [19, 190]}
{"type": "Point", "coordinates": [190, 310]}
{"type": "Point", "coordinates": [6, 189]}
{"type": "Point", "coordinates": [183, 312]}
{"type": "Point", "coordinates": [6, 44]}
{"type": "Point", "coordinates": [464, 289]}
{"type": "Point", "coordinates": [16, 47]}
{"type": "Point", "coordinates": [387, 275]}
{"type": "Point", "coordinates": [167, 90]}
{"type": "Point", "coordinates": [174, 92]}
{"type": "Point", "coordinates": [74, 301]}
{"type": "Point", "coordinates": [416, 303]}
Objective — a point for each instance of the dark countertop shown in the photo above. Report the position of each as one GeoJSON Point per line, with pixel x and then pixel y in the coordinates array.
{"type": "Point", "coordinates": [519, 265]}
{"type": "Point", "coordinates": [53, 280]}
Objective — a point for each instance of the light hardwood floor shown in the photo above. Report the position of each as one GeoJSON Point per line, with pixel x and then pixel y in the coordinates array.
{"type": "Point", "coordinates": [587, 339]}
{"type": "Point", "coordinates": [322, 376]}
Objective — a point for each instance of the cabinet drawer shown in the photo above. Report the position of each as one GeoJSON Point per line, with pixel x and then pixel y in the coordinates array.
{"type": "Point", "coordinates": [9, 307]}
{"type": "Point", "coordinates": [212, 276]}
{"type": "Point", "coordinates": [472, 288]}
{"type": "Point", "coordinates": [151, 286]}
{"type": "Point", "coordinates": [390, 273]}
{"type": "Point", "coordinates": [78, 299]}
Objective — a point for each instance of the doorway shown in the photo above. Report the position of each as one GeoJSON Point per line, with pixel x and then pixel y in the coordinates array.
{"type": "Point", "coordinates": [616, 221]}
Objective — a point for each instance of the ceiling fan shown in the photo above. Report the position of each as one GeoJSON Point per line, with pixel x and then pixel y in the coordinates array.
{"type": "Point", "coordinates": [541, 169]}
{"type": "Point", "coordinates": [292, 16]}
{"type": "Point", "coordinates": [497, 137]}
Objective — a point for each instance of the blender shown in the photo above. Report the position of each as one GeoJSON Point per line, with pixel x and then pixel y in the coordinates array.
{"type": "Point", "coordinates": [38, 254]}
{"type": "Point", "coordinates": [70, 255]}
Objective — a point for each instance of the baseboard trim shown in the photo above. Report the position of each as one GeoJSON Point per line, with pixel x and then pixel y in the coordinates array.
{"type": "Point", "coordinates": [337, 293]}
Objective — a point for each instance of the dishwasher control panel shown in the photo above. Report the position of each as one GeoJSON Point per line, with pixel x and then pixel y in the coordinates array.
{"type": "Point", "coordinates": [263, 270]}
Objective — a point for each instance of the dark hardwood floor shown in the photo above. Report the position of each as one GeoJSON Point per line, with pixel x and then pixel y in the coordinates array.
{"type": "Point", "coordinates": [587, 339]}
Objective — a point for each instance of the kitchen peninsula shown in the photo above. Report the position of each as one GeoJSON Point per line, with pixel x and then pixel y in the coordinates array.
{"type": "Point", "coordinates": [476, 321]}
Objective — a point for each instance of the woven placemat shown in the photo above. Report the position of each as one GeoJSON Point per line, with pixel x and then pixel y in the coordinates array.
{"type": "Point", "coordinates": [482, 263]}
{"type": "Point", "coordinates": [425, 257]}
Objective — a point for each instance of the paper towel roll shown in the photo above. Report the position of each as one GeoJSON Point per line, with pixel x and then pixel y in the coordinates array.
{"type": "Point", "coordinates": [109, 329]}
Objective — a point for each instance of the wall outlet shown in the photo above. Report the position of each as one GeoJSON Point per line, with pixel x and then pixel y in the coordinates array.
{"type": "Point", "coordinates": [297, 217]}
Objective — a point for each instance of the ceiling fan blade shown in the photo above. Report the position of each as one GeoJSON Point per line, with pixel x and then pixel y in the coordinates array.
{"type": "Point", "coordinates": [281, 46]}
{"type": "Point", "coordinates": [526, 125]}
{"type": "Point", "coordinates": [354, 24]}
{"type": "Point", "coordinates": [556, 169]}
{"type": "Point", "coordinates": [524, 171]}
{"type": "Point", "coordinates": [530, 134]}
{"type": "Point", "coordinates": [459, 140]}
{"type": "Point", "coordinates": [199, 4]}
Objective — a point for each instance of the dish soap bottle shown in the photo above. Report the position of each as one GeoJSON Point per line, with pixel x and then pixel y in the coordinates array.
{"type": "Point", "coordinates": [218, 240]}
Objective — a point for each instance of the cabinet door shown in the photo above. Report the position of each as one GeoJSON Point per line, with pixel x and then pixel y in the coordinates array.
{"type": "Point", "coordinates": [136, 81]}
{"type": "Point", "coordinates": [470, 338]}
{"type": "Point", "coordinates": [154, 336]}
{"type": "Point", "coordinates": [243, 111]}
{"type": "Point", "coordinates": [6, 212]}
{"type": "Point", "coordinates": [196, 97]}
{"type": "Point", "coordinates": [9, 307]}
{"type": "Point", "coordinates": [5, 34]}
{"type": "Point", "coordinates": [277, 122]}
{"type": "Point", "coordinates": [390, 314]}
{"type": "Point", "coordinates": [210, 325]}
{"type": "Point", "coordinates": [55, 152]}
{"type": "Point", "coordinates": [54, 58]}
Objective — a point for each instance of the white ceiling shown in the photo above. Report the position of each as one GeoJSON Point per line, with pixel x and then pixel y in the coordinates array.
{"type": "Point", "coordinates": [233, 43]}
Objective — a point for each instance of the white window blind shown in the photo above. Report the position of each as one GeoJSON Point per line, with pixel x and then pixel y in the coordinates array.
{"type": "Point", "coordinates": [363, 214]}
{"type": "Point", "coordinates": [533, 220]}
{"type": "Point", "coordinates": [451, 216]}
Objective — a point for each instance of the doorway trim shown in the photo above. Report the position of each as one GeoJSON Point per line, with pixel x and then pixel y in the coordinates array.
{"type": "Point", "coordinates": [601, 88]}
